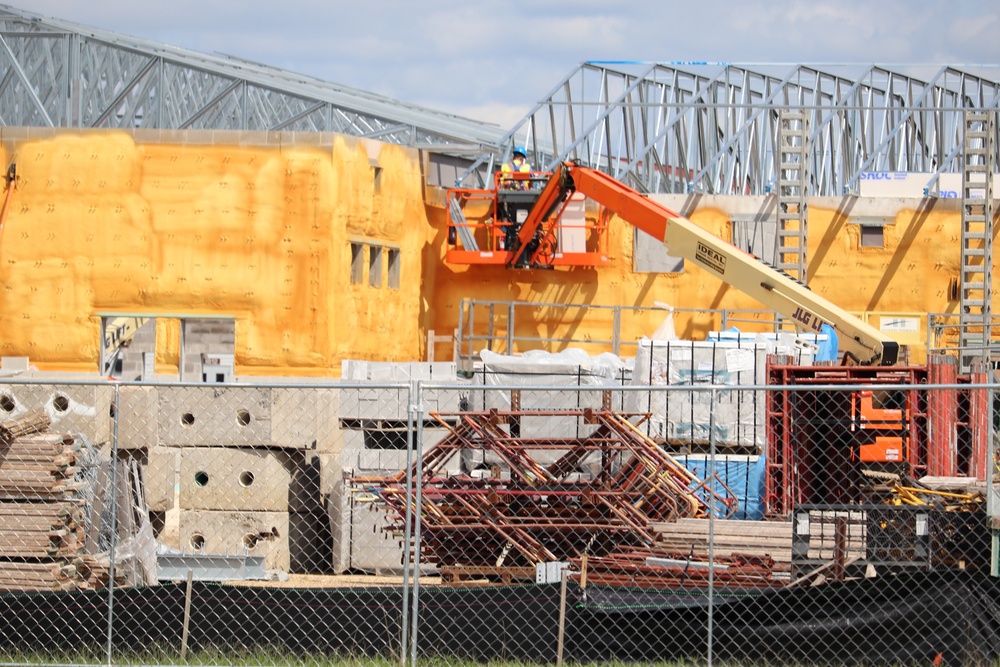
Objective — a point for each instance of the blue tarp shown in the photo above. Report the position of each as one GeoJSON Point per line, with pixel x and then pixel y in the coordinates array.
{"type": "Point", "coordinates": [744, 475]}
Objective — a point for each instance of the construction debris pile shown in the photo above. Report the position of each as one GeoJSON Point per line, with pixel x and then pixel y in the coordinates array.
{"type": "Point", "coordinates": [541, 500]}
{"type": "Point", "coordinates": [42, 515]}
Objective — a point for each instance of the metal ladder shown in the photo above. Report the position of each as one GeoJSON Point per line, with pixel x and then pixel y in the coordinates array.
{"type": "Point", "coordinates": [979, 146]}
{"type": "Point", "coordinates": [793, 185]}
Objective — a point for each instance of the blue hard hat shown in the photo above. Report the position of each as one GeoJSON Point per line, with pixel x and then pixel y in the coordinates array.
{"type": "Point", "coordinates": [519, 150]}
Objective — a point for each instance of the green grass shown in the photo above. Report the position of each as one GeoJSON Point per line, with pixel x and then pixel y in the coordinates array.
{"type": "Point", "coordinates": [273, 657]}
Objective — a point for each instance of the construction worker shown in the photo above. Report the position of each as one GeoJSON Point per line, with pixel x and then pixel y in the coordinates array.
{"type": "Point", "coordinates": [506, 213]}
{"type": "Point", "coordinates": [518, 164]}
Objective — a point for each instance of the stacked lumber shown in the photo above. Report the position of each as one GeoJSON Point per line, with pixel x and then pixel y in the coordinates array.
{"type": "Point", "coordinates": [39, 465]}
{"type": "Point", "coordinates": [42, 522]}
{"type": "Point", "coordinates": [750, 538]}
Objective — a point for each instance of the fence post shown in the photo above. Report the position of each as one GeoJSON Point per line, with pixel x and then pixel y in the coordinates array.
{"type": "Point", "coordinates": [114, 519]}
{"type": "Point", "coordinates": [187, 615]}
{"type": "Point", "coordinates": [562, 619]}
{"type": "Point", "coordinates": [711, 519]}
{"type": "Point", "coordinates": [407, 530]}
{"type": "Point", "coordinates": [418, 415]}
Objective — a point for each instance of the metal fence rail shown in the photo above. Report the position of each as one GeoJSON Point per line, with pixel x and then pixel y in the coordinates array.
{"type": "Point", "coordinates": [531, 517]}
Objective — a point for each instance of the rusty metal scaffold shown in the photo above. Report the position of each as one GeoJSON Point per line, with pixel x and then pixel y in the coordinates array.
{"type": "Point", "coordinates": [601, 492]}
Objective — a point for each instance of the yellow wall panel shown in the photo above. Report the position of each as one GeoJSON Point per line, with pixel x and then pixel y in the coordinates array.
{"type": "Point", "coordinates": [264, 233]}
{"type": "Point", "coordinates": [100, 223]}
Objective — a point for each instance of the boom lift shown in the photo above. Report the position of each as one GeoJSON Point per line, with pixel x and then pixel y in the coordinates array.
{"type": "Point", "coordinates": [535, 246]}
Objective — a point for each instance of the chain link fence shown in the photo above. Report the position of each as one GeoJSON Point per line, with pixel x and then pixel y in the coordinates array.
{"type": "Point", "coordinates": [703, 506]}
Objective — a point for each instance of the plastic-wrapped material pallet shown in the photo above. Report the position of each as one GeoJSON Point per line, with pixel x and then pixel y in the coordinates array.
{"type": "Point", "coordinates": [569, 368]}
{"type": "Point", "coordinates": [683, 416]}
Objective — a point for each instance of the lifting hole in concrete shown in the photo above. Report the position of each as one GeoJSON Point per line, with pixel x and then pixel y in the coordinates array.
{"type": "Point", "coordinates": [243, 418]}
{"type": "Point", "coordinates": [246, 478]}
{"type": "Point", "coordinates": [113, 412]}
{"type": "Point", "coordinates": [7, 403]}
{"type": "Point", "coordinates": [187, 419]}
{"type": "Point", "coordinates": [201, 478]}
{"type": "Point", "coordinates": [60, 403]}
{"type": "Point", "coordinates": [250, 540]}
{"type": "Point", "coordinates": [197, 542]}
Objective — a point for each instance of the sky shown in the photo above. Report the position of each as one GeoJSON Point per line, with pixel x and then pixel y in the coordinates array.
{"type": "Point", "coordinates": [492, 61]}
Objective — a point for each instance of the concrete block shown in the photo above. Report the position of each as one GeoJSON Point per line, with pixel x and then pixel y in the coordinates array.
{"type": "Point", "coordinates": [256, 533]}
{"type": "Point", "coordinates": [73, 409]}
{"type": "Point", "coordinates": [354, 440]}
{"type": "Point", "coordinates": [338, 509]}
{"type": "Point", "coordinates": [137, 417]}
{"type": "Point", "coordinates": [306, 419]}
{"type": "Point", "coordinates": [230, 416]}
{"type": "Point", "coordinates": [370, 459]}
{"type": "Point", "coordinates": [235, 479]}
{"type": "Point", "coordinates": [443, 371]}
{"type": "Point", "coordinates": [444, 400]}
{"type": "Point", "coordinates": [330, 471]}
{"type": "Point", "coordinates": [159, 476]}
{"type": "Point", "coordinates": [374, 403]}
{"type": "Point", "coordinates": [372, 548]}
{"type": "Point", "coordinates": [14, 364]}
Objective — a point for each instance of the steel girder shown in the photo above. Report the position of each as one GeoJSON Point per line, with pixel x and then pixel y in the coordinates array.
{"type": "Point", "coordinates": [713, 128]}
{"type": "Point", "coordinates": [55, 73]}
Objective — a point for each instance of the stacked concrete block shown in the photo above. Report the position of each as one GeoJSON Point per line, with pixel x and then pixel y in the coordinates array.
{"type": "Point", "coordinates": [373, 402]}
{"type": "Point", "coordinates": [203, 337]}
{"type": "Point", "coordinates": [260, 482]}
{"type": "Point", "coordinates": [392, 402]}
{"type": "Point", "coordinates": [236, 533]}
{"type": "Point", "coordinates": [360, 542]}
{"type": "Point", "coordinates": [246, 416]}
{"type": "Point", "coordinates": [78, 409]}
{"type": "Point", "coordinates": [498, 383]}
{"type": "Point", "coordinates": [256, 450]}
{"type": "Point", "coordinates": [136, 358]}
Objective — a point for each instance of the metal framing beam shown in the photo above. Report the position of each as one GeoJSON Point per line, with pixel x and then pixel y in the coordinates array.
{"type": "Point", "coordinates": [713, 127]}
{"type": "Point", "coordinates": [61, 74]}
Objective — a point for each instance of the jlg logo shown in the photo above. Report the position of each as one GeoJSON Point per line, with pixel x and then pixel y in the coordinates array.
{"type": "Point", "coordinates": [808, 320]}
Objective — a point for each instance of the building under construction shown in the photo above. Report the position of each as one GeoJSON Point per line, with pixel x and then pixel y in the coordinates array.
{"type": "Point", "coordinates": [186, 184]}
{"type": "Point", "coordinates": [225, 232]}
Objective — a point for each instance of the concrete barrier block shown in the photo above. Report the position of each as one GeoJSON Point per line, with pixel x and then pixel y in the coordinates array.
{"type": "Point", "coordinates": [255, 533]}
{"type": "Point", "coordinates": [235, 479]}
{"type": "Point", "coordinates": [306, 419]}
{"type": "Point", "coordinates": [230, 416]}
{"type": "Point", "coordinates": [160, 478]}
{"type": "Point", "coordinates": [73, 409]}
{"type": "Point", "coordinates": [137, 417]}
